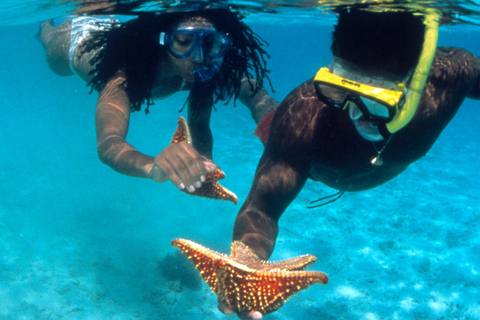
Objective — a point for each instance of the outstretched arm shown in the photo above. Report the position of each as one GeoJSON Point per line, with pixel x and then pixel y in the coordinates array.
{"type": "Point", "coordinates": [178, 162]}
{"type": "Point", "coordinates": [276, 184]}
{"type": "Point", "coordinates": [281, 173]}
{"type": "Point", "coordinates": [112, 117]}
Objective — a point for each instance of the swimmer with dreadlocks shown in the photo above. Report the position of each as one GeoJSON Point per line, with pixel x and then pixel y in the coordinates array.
{"type": "Point", "coordinates": [211, 53]}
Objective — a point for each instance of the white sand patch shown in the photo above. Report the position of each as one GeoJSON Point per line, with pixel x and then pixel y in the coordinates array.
{"type": "Point", "coordinates": [348, 292]}
{"type": "Point", "coordinates": [371, 316]}
{"type": "Point", "coordinates": [408, 303]}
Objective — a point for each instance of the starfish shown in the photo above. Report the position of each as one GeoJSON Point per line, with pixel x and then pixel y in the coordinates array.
{"type": "Point", "coordinates": [210, 188]}
{"type": "Point", "coordinates": [244, 282]}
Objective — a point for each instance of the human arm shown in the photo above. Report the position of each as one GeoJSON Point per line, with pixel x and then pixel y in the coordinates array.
{"type": "Point", "coordinates": [178, 162]}
{"type": "Point", "coordinates": [259, 103]}
{"type": "Point", "coordinates": [457, 69]}
{"type": "Point", "coordinates": [475, 93]}
{"type": "Point", "coordinates": [282, 171]}
{"type": "Point", "coordinates": [275, 185]}
{"type": "Point", "coordinates": [280, 175]}
{"type": "Point", "coordinates": [199, 113]}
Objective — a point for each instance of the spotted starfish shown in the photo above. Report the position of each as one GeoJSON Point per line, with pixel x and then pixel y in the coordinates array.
{"type": "Point", "coordinates": [210, 188]}
{"type": "Point", "coordinates": [245, 283]}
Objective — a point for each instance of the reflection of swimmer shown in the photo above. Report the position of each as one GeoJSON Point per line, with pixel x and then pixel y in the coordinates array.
{"type": "Point", "coordinates": [361, 121]}
{"type": "Point", "coordinates": [206, 52]}
{"type": "Point", "coordinates": [86, 6]}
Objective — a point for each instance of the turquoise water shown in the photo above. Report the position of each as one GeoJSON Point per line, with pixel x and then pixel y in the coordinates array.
{"type": "Point", "coordinates": [79, 241]}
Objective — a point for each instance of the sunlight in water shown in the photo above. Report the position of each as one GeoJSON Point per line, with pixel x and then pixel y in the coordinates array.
{"type": "Point", "coordinates": [80, 241]}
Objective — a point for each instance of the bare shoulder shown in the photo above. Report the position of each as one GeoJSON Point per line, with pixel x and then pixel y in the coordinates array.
{"type": "Point", "coordinates": [455, 64]}
{"type": "Point", "coordinates": [302, 103]}
{"type": "Point", "coordinates": [301, 94]}
{"type": "Point", "coordinates": [454, 53]}
{"type": "Point", "coordinates": [297, 120]}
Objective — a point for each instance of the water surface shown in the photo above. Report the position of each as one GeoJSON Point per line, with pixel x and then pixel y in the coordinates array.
{"type": "Point", "coordinates": [80, 241]}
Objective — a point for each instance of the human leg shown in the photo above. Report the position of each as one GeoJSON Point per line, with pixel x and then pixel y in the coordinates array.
{"type": "Point", "coordinates": [56, 41]}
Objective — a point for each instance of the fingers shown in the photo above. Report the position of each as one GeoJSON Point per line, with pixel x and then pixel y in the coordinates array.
{"type": "Point", "coordinates": [251, 315]}
{"type": "Point", "coordinates": [209, 165]}
{"type": "Point", "coordinates": [183, 166]}
{"type": "Point", "coordinates": [223, 308]}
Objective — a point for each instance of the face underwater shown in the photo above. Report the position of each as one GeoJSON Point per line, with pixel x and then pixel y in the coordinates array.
{"type": "Point", "coordinates": [202, 43]}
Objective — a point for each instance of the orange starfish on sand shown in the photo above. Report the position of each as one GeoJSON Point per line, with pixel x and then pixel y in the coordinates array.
{"type": "Point", "coordinates": [210, 188]}
{"type": "Point", "coordinates": [245, 283]}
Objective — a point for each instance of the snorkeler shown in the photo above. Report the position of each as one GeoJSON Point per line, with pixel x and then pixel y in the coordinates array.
{"type": "Point", "coordinates": [206, 52]}
{"type": "Point", "coordinates": [378, 107]}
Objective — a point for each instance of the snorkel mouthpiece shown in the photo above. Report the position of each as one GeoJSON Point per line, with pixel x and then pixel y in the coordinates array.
{"type": "Point", "coordinates": [204, 74]}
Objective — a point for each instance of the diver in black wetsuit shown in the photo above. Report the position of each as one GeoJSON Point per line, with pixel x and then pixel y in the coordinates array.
{"type": "Point", "coordinates": [378, 107]}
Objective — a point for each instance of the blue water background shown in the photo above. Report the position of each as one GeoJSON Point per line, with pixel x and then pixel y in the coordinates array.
{"type": "Point", "coordinates": [80, 241]}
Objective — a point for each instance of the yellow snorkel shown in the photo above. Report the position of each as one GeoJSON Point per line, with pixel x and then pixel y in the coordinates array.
{"type": "Point", "coordinates": [402, 101]}
{"type": "Point", "coordinates": [420, 75]}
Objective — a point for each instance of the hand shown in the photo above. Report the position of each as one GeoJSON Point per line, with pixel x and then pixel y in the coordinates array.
{"type": "Point", "coordinates": [182, 165]}
{"type": "Point", "coordinates": [242, 315]}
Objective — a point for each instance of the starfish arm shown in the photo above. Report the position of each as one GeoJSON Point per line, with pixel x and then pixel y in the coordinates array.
{"type": "Point", "coordinates": [243, 254]}
{"type": "Point", "coordinates": [295, 264]}
{"type": "Point", "coordinates": [210, 188]}
{"type": "Point", "coordinates": [213, 190]}
{"type": "Point", "coordinates": [206, 261]}
{"type": "Point", "coordinates": [182, 133]}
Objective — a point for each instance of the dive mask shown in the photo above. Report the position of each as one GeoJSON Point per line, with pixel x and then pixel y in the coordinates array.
{"type": "Point", "coordinates": [375, 103]}
{"type": "Point", "coordinates": [200, 44]}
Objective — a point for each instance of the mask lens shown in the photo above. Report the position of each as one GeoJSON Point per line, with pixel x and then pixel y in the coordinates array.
{"type": "Point", "coordinates": [182, 43]}
{"type": "Point", "coordinates": [215, 44]}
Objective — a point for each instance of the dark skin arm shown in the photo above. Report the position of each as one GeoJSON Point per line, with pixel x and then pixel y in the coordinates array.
{"type": "Point", "coordinates": [178, 162]}
{"type": "Point", "coordinates": [259, 103]}
{"type": "Point", "coordinates": [257, 222]}
{"type": "Point", "coordinates": [112, 117]}
{"type": "Point", "coordinates": [199, 114]}
{"type": "Point", "coordinates": [281, 174]}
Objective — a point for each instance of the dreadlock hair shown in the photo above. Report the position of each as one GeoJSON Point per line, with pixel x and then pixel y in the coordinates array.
{"type": "Point", "coordinates": [134, 47]}
{"type": "Point", "coordinates": [388, 41]}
